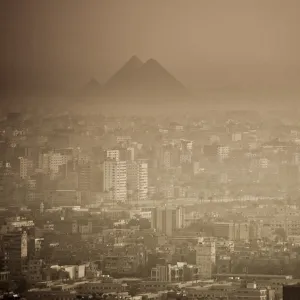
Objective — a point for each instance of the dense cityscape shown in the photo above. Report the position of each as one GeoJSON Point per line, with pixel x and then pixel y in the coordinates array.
{"type": "Point", "coordinates": [150, 150]}
{"type": "Point", "coordinates": [149, 208]}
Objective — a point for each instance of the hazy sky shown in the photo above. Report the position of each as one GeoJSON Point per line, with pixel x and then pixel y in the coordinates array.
{"type": "Point", "coordinates": [204, 43]}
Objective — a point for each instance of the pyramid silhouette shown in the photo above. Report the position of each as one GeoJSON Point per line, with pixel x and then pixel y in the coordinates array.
{"type": "Point", "coordinates": [125, 75]}
{"type": "Point", "coordinates": [154, 80]}
{"type": "Point", "coordinates": [138, 79]}
{"type": "Point", "coordinates": [92, 89]}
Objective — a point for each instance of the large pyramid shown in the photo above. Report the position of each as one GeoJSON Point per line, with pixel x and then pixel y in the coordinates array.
{"type": "Point", "coordinates": [138, 79]}
{"type": "Point", "coordinates": [125, 75]}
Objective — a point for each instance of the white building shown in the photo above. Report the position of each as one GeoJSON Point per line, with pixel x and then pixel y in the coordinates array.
{"type": "Point", "coordinates": [137, 179]}
{"type": "Point", "coordinates": [26, 166]}
{"type": "Point", "coordinates": [50, 162]}
{"type": "Point", "coordinates": [223, 152]}
{"type": "Point", "coordinates": [115, 179]}
{"type": "Point", "coordinates": [56, 160]}
{"type": "Point", "coordinates": [113, 154]}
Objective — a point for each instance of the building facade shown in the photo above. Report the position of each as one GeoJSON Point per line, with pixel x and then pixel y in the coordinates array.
{"type": "Point", "coordinates": [115, 180]}
{"type": "Point", "coordinates": [167, 219]}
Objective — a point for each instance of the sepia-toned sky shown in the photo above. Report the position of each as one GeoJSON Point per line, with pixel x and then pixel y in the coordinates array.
{"type": "Point", "coordinates": [204, 43]}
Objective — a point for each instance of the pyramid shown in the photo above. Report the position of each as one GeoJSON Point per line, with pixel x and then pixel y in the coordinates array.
{"type": "Point", "coordinates": [150, 79]}
{"type": "Point", "coordinates": [154, 80]}
{"type": "Point", "coordinates": [92, 89]}
{"type": "Point", "coordinates": [124, 78]}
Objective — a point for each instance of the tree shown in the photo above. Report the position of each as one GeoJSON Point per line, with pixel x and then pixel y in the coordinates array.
{"type": "Point", "coordinates": [134, 290]}
{"type": "Point", "coordinates": [142, 223]}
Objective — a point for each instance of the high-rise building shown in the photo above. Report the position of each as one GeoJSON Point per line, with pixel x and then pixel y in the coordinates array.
{"type": "Point", "coordinates": [206, 257]}
{"type": "Point", "coordinates": [15, 249]}
{"type": "Point", "coordinates": [167, 219]}
{"type": "Point", "coordinates": [26, 167]}
{"type": "Point", "coordinates": [115, 179]}
{"type": "Point", "coordinates": [137, 179]}
{"type": "Point", "coordinates": [85, 177]}
{"type": "Point", "coordinates": [7, 187]}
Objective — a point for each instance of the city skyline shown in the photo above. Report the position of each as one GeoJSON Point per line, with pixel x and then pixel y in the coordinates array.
{"type": "Point", "coordinates": [149, 150]}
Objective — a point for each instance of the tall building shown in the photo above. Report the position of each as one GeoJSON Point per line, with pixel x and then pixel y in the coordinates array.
{"type": "Point", "coordinates": [137, 179]}
{"type": "Point", "coordinates": [115, 179]}
{"type": "Point", "coordinates": [26, 167]}
{"type": "Point", "coordinates": [167, 219]}
{"type": "Point", "coordinates": [7, 187]}
{"type": "Point", "coordinates": [85, 177]}
{"type": "Point", "coordinates": [15, 249]}
{"type": "Point", "coordinates": [206, 257]}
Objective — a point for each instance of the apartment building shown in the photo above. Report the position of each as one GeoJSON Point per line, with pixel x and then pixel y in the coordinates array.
{"type": "Point", "coordinates": [115, 180]}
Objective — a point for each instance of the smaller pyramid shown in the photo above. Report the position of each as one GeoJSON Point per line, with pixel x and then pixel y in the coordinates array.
{"type": "Point", "coordinates": [92, 89]}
